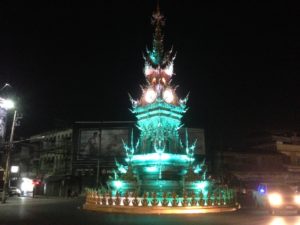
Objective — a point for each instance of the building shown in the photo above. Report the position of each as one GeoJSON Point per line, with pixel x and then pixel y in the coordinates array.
{"type": "Point", "coordinates": [45, 159]}
{"type": "Point", "coordinates": [25, 156]}
{"type": "Point", "coordinates": [55, 162]}
{"type": "Point", "coordinates": [247, 169]}
{"type": "Point", "coordinates": [292, 153]}
{"type": "Point", "coordinates": [269, 156]}
{"type": "Point", "coordinates": [63, 160]}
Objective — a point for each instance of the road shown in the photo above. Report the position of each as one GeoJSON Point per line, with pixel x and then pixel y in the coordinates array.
{"type": "Point", "coordinates": [54, 211]}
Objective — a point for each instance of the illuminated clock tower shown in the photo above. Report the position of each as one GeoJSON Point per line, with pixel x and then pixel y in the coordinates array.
{"type": "Point", "coordinates": [159, 110]}
{"type": "Point", "coordinates": [159, 161]}
{"type": "Point", "coordinates": [160, 169]}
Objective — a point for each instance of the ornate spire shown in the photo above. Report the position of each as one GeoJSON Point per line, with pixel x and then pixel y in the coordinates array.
{"type": "Point", "coordinates": [158, 63]}
{"type": "Point", "coordinates": [158, 46]}
{"type": "Point", "coordinates": [157, 58]}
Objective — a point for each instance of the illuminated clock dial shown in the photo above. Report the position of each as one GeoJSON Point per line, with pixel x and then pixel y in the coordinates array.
{"type": "Point", "coordinates": [150, 95]}
{"type": "Point", "coordinates": [168, 95]}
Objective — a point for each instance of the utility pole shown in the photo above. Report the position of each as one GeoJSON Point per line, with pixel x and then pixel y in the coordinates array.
{"type": "Point", "coordinates": [7, 164]}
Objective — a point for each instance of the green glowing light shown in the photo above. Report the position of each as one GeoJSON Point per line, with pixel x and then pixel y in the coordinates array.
{"type": "Point", "coordinates": [154, 57]}
{"type": "Point", "coordinates": [122, 170]}
{"type": "Point", "coordinates": [198, 169]}
{"type": "Point", "coordinates": [151, 169]}
{"type": "Point", "coordinates": [201, 185]}
{"type": "Point", "coordinates": [160, 157]}
{"type": "Point", "coordinates": [117, 184]}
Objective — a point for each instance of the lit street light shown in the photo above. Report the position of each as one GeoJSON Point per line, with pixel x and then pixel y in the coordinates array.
{"type": "Point", "coordinates": [5, 105]}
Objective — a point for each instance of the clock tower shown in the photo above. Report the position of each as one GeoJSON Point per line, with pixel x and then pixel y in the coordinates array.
{"type": "Point", "coordinates": [159, 110]}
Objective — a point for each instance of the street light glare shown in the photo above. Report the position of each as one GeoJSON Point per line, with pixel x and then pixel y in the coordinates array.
{"type": "Point", "coordinates": [8, 104]}
{"type": "Point", "coordinates": [14, 169]}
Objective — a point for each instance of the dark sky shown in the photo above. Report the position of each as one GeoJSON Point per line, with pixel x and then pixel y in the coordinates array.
{"type": "Point", "coordinates": [77, 61]}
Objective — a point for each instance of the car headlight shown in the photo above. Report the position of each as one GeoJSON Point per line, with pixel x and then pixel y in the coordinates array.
{"type": "Point", "coordinates": [297, 199]}
{"type": "Point", "coordinates": [275, 199]}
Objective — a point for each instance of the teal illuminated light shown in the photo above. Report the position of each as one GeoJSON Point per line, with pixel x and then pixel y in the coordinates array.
{"type": "Point", "coordinates": [154, 57]}
{"type": "Point", "coordinates": [130, 149]}
{"type": "Point", "coordinates": [117, 184]}
{"type": "Point", "coordinates": [151, 169]}
{"type": "Point", "coordinates": [198, 169]}
{"type": "Point", "coordinates": [201, 185]}
{"type": "Point", "coordinates": [122, 170]}
{"type": "Point", "coordinates": [160, 157]}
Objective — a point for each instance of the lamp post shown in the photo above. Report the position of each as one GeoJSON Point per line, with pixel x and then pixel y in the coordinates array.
{"type": "Point", "coordinates": [7, 163]}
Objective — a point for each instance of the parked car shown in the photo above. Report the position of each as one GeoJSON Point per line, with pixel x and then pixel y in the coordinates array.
{"type": "Point", "coordinates": [275, 197]}
{"type": "Point", "coordinates": [14, 191]}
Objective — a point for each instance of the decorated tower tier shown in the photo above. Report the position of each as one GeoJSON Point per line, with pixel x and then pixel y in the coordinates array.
{"type": "Point", "coordinates": [159, 161]}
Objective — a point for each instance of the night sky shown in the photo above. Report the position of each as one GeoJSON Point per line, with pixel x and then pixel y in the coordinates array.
{"type": "Point", "coordinates": [78, 61]}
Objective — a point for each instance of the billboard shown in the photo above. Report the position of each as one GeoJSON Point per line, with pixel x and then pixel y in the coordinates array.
{"type": "Point", "coordinates": [101, 142]}
{"type": "Point", "coordinates": [89, 143]}
{"type": "Point", "coordinates": [111, 142]}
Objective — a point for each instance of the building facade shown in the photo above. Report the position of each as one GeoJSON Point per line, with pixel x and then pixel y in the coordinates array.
{"type": "Point", "coordinates": [272, 156]}
{"type": "Point", "coordinates": [55, 164]}
{"type": "Point", "coordinates": [71, 159]}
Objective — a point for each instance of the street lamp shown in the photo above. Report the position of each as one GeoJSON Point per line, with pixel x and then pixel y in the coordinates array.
{"type": "Point", "coordinates": [8, 104]}
{"type": "Point", "coordinates": [5, 105]}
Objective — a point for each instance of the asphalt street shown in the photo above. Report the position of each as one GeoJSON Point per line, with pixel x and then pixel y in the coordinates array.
{"type": "Point", "coordinates": [55, 211]}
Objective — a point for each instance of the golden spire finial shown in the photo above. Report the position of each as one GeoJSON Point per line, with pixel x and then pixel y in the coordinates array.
{"type": "Point", "coordinates": [157, 7]}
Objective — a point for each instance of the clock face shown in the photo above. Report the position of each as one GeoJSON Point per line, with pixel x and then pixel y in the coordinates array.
{"type": "Point", "coordinates": [150, 95]}
{"type": "Point", "coordinates": [168, 95]}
